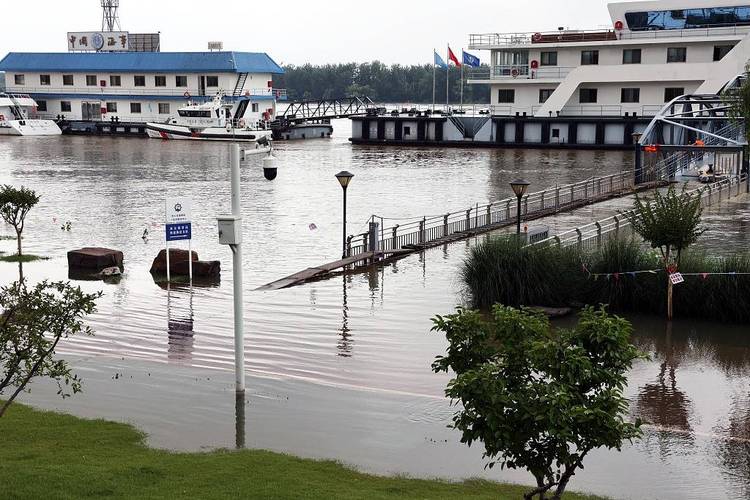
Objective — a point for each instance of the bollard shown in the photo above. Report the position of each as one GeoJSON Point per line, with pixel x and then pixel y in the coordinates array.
{"type": "Point", "coordinates": [445, 225]}
{"type": "Point", "coordinates": [468, 219]}
{"type": "Point", "coordinates": [489, 215]}
{"type": "Point", "coordinates": [349, 246]}
{"type": "Point", "coordinates": [421, 231]}
{"type": "Point", "coordinates": [395, 237]}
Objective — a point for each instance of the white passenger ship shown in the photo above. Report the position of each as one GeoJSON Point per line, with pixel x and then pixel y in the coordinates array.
{"type": "Point", "coordinates": [14, 117]}
{"type": "Point", "coordinates": [211, 121]}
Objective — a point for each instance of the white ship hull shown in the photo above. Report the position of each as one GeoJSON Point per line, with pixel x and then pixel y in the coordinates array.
{"type": "Point", "coordinates": [181, 132]}
{"type": "Point", "coordinates": [29, 128]}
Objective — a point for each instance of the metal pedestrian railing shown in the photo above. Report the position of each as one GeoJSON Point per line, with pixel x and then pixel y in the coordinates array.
{"type": "Point", "coordinates": [593, 236]}
{"type": "Point", "coordinates": [422, 232]}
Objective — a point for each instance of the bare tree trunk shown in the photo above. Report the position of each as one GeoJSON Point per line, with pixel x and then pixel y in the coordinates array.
{"type": "Point", "coordinates": [18, 237]}
{"type": "Point", "coordinates": [670, 295]}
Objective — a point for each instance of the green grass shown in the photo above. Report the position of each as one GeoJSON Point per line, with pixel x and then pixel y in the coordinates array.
{"type": "Point", "coordinates": [22, 258]}
{"type": "Point", "coordinates": [49, 455]}
{"type": "Point", "coordinates": [7, 238]}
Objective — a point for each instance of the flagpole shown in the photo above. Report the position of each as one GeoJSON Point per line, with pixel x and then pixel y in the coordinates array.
{"type": "Point", "coordinates": [462, 79]}
{"type": "Point", "coordinates": [447, 80]}
{"type": "Point", "coordinates": [434, 77]}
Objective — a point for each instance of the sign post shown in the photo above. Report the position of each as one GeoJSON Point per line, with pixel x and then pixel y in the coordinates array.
{"type": "Point", "coordinates": [179, 227]}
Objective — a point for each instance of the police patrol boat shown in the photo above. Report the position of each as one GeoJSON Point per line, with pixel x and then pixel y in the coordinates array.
{"type": "Point", "coordinates": [14, 117]}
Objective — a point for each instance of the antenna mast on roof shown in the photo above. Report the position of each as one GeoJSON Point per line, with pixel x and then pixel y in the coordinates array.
{"type": "Point", "coordinates": [110, 17]}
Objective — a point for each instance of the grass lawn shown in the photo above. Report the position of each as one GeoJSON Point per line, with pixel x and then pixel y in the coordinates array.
{"type": "Point", "coordinates": [22, 258]}
{"type": "Point", "coordinates": [54, 456]}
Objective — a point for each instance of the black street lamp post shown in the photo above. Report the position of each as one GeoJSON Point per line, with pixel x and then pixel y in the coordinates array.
{"type": "Point", "coordinates": [344, 179]}
{"type": "Point", "coordinates": [519, 188]}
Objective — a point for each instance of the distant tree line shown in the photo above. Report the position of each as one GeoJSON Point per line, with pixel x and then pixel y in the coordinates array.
{"type": "Point", "coordinates": [381, 83]}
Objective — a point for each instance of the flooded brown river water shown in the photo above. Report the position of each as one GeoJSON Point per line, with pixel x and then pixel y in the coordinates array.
{"type": "Point", "coordinates": [341, 368]}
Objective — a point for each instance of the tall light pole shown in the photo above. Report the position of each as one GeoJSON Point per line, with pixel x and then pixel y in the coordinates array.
{"type": "Point", "coordinates": [519, 187]}
{"type": "Point", "coordinates": [344, 179]}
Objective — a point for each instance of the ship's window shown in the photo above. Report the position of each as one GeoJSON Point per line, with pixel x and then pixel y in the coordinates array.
{"type": "Point", "coordinates": [688, 18]}
{"type": "Point", "coordinates": [180, 81]}
{"type": "Point", "coordinates": [193, 114]}
{"type": "Point", "coordinates": [255, 107]}
{"type": "Point", "coordinates": [544, 95]}
{"type": "Point", "coordinates": [91, 80]}
{"type": "Point", "coordinates": [212, 81]}
{"type": "Point", "coordinates": [135, 108]}
{"type": "Point", "coordinates": [672, 93]}
{"type": "Point", "coordinates": [589, 57]}
{"type": "Point", "coordinates": [68, 80]}
{"type": "Point", "coordinates": [139, 81]}
{"type": "Point", "coordinates": [115, 81]}
{"type": "Point", "coordinates": [407, 130]}
{"type": "Point", "coordinates": [630, 95]}
{"type": "Point", "coordinates": [506, 95]}
{"type": "Point", "coordinates": [548, 59]}
{"type": "Point", "coordinates": [45, 80]}
{"type": "Point", "coordinates": [163, 108]}
{"type": "Point", "coordinates": [111, 107]}
{"type": "Point", "coordinates": [20, 79]}
{"type": "Point", "coordinates": [555, 133]}
{"type": "Point", "coordinates": [721, 50]}
{"type": "Point", "coordinates": [160, 81]}
{"type": "Point", "coordinates": [587, 96]}
{"type": "Point", "coordinates": [41, 105]}
{"type": "Point", "coordinates": [65, 106]}
{"type": "Point", "coordinates": [676, 54]}
{"type": "Point", "coordinates": [631, 56]}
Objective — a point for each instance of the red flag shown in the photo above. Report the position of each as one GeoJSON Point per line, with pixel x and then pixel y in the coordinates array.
{"type": "Point", "coordinates": [452, 57]}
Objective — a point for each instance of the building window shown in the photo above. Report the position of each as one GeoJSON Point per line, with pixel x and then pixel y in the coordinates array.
{"type": "Point", "coordinates": [587, 96]}
{"type": "Point", "coordinates": [135, 108]}
{"type": "Point", "coordinates": [139, 81]}
{"type": "Point", "coordinates": [631, 56]}
{"type": "Point", "coordinates": [41, 105]}
{"type": "Point", "coordinates": [255, 108]}
{"type": "Point", "coordinates": [163, 108]}
{"type": "Point", "coordinates": [91, 80]}
{"type": "Point", "coordinates": [111, 107]}
{"type": "Point", "coordinates": [68, 80]}
{"type": "Point", "coordinates": [589, 57]}
{"type": "Point", "coordinates": [45, 80]}
{"type": "Point", "coordinates": [180, 81]}
{"type": "Point", "coordinates": [20, 80]}
{"type": "Point", "coordinates": [544, 95]}
{"type": "Point", "coordinates": [549, 59]}
{"type": "Point", "coordinates": [506, 95]}
{"type": "Point", "coordinates": [160, 81]}
{"type": "Point", "coordinates": [721, 50]}
{"type": "Point", "coordinates": [672, 93]}
{"type": "Point", "coordinates": [212, 81]}
{"type": "Point", "coordinates": [630, 95]}
{"type": "Point", "coordinates": [65, 106]}
{"type": "Point", "coordinates": [115, 81]}
{"type": "Point", "coordinates": [676, 54]}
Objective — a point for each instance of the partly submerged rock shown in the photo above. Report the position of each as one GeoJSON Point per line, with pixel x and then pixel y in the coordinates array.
{"type": "Point", "coordinates": [179, 264]}
{"type": "Point", "coordinates": [95, 258]}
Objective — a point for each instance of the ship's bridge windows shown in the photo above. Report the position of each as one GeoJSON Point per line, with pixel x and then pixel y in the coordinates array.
{"type": "Point", "coordinates": [506, 96]}
{"type": "Point", "coordinates": [68, 80]}
{"type": "Point", "coordinates": [589, 57]}
{"type": "Point", "coordinates": [676, 54]}
{"type": "Point", "coordinates": [41, 105]}
{"type": "Point", "coordinates": [545, 94]}
{"type": "Point", "coordinates": [212, 81]}
{"type": "Point", "coordinates": [712, 17]}
{"type": "Point", "coordinates": [672, 93]}
{"type": "Point", "coordinates": [45, 80]}
{"type": "Point", "coordinates": [548, 59]}
{"type": "Point", "coordinates": [139, 80]}
{"type": "Point", "coordinates": [91, 80]}
{"type": "Point", "coordinates": [115, 81]}
{"type": "Point", "coordinates": [65, 106]}
{"type": "Point", "coordinates": [192, 113]}
{"type": "Point", "coordinates": [631, 56]}
{"type": "Point", "coordinates": [163, 108]}
{"type": "Point", "coordinates": [512, 58]}
{"type": "Point", "coordinates": [160, 81]}
{"type": "Point", "coordinates": [20, 79]}
{"type": "Point", "coordinates": [630, 95]}
{"type": "Point", "coordinates": [135, 108]}
{"type": "Point", "coordinates": [587, 96]}
{"type": "Point", "coordinates": [722, 50]}
{"type": "Point", "coordinates": [180, 81]}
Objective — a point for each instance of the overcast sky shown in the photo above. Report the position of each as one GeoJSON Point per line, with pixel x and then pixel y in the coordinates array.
{"type": "Point", "coordinates": [300, 31]}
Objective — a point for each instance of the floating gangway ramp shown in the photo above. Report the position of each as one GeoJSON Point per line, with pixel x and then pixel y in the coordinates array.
{"type": "Point", "coordinates": [324, 109]}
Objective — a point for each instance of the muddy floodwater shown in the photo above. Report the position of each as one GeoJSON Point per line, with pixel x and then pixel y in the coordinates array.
{"type": "Point", "coordinates": [340, 369]}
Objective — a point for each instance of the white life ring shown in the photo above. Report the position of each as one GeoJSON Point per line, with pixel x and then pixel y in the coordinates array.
{"type": "Point", "coordinates": [514, 72]}
{"type": "Point", "coordinates": [242, 123]}
{"type": "Point", "coordinates": [186, 95]}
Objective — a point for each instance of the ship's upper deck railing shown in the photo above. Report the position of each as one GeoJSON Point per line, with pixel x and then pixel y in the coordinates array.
{"type": "Point", "coordinates": [495, 40]}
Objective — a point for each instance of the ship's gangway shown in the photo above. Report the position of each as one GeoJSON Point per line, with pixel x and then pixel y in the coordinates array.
{"type": "Point", "coordinates": [324, 109]}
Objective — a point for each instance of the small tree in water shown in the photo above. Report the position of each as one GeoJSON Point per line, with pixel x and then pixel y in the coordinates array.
{"type": "Point", "coordinates": [671, 223]}
{"type": "Point", "coordinates": [33, 321]}
{"type": "Point", "coordinates": [539, 399]}
{"type": "Point", "coordinates": [15, 205]}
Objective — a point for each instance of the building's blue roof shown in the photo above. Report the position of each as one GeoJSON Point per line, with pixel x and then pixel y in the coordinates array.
{"type": "Point", "coordinates": [141, 62]}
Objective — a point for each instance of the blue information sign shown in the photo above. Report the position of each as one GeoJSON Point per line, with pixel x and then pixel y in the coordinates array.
{"type": "Point", "coordinates": [179, 232]}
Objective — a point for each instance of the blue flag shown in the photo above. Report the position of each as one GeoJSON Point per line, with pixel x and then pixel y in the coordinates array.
{"type": "Point", "coordinates": [471, 60]}
{"type": "Point", "coordinates": [439, 61]}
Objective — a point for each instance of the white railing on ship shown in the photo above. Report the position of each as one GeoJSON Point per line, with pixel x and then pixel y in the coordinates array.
{"type": "Point", "coordinates": [182, 93]}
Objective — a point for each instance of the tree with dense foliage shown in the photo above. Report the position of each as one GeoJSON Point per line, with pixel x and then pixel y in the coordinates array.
{"type": "Point", "coordinates": [15, 205]}
{"type": "Point", "coordinates": [671, 223]}
{"type": "Point", "coordinates": [33, 321]}
{"type": "Point", "coordinates": [537, 398]}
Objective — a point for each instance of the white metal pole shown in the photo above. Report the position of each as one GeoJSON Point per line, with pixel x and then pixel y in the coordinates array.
{"type": "Point", "coordinates": [462, 80]}
{"type": "Point", "coordinates": [190, 260]}
{"type": "Point", "coordinates": [239, 322]}
{"type": "Point", "coordinates": [447, 80]}
{"type": "Point", "coordinates": [434, 77]}
{"type": "Point", "coordinates": [169, 274]}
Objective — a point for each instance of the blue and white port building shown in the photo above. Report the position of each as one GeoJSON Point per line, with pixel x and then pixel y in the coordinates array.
{"type": "Point", "coordinates": [85, 89]}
